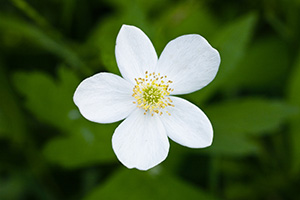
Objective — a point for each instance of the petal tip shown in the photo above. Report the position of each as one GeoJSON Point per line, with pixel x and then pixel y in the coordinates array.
{"type": "Point", "coordinates": [125, 27]}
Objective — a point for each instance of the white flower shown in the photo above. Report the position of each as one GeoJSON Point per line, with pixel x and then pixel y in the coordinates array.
{"type": "Point", "coordinates": [144, 96]}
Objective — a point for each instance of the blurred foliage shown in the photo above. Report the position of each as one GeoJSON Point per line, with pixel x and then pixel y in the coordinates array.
{"type": "Point", "coordinates": [49, 151]}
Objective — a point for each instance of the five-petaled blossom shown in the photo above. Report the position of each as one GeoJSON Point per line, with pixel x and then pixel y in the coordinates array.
{"type": "Point", "coordinates": [144, 96]}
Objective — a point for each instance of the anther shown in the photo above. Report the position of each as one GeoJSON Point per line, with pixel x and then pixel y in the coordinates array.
{"type": "Point", "coordinates": [151, 93]}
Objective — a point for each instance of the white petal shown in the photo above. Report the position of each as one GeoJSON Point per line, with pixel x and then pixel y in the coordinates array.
{"type": "Point", "coordinates": [104, 98]}
{"type": "Point", "coordinates": [141, 141]}
{"type": "Point", "coordinates": [190, 62]}
{"type": "Point", "coordinates": [135, 53]}
{"type": "Point", "coordinates": [187, 124]}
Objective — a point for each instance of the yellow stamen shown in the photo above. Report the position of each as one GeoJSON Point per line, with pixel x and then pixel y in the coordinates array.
{"type": "Point", "coordinates": [151, 93]}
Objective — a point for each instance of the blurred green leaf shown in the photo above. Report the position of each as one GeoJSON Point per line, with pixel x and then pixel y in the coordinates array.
{"type": "Point", "coordinates": [231, 41]}
{"type": "Point", "coordinates": [232, 144]}
{"type": "Point", "coordinates": [88, 145]}
{"type": "Point", "coordinates": [294, 98]}
{"type": "Point", "coordinates": [12, 187]}
{"type": "Point", "coordinates": [136, 185]}
{"type": "Point", "coordinates": [17, 28]}
{"type": "Point", "coordinates": [17, 183]}
{"type": "Point", "coordinates": [12, 123]}
{"type": "Point", "coordinates": [49, 100]}
{"type": "Point", "coordinates": [262, 66]}
{"type": "Point", "coordinates": [133, 12]}
{"type": "Point", "coordinates": [103, 39]}
{"type": "Point", "coordinates": [3, 124]}
{"type": "Point", "coordinates": [144, 5]}
{"type": "Point", "coordinates": [187, 18]}
{"type": "Point", "coordinates": [235, 121]}
{"type": "Point", "coordinates": [240, 191]}
{"type": "Point", "coordinates": [250, 115]}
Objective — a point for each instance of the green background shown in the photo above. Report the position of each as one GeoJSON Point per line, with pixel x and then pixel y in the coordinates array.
{"type": "Point", "coordinates": [49, 151]}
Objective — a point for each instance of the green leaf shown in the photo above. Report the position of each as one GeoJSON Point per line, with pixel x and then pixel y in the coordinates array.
{"type": "Point", "coordinates": [20, 29]}
{"type": "Point", "coordinates": [250, 115]}
{"type": "Point", "coordinates": [3, 124]}
{"type": "Point", "coordinates": [12, 123]}
{"type": "Point", "coordinates": [12, 187]}
{"type": "Point", "coordinates": [262, 67]}
{"type": "Point", "coordinates": [184, 18]}
{"type": "Point", "coordinates": [49, 100]}
{"type": "Point", "coordinates": [232, 144]}
{"type": "Point", "coordinates": [136, 185]}
{"type": "Point", "coordinates": [88, 145]}
{"type": "Point", "coordinates": [294, 98]}
{"type": "Point", "coordinates": [103, 39]}
{"type": "Point", "coordinates": [236, 122]}
{"type": "Point", "coordinates": [231, 42]}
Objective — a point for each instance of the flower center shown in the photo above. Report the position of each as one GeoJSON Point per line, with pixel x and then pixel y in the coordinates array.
{"type": "Point", "coordinates": [151, 93]}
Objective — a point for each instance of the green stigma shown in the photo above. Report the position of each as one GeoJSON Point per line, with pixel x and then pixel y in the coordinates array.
{"type": "Point", "coordinates": [152, 95]}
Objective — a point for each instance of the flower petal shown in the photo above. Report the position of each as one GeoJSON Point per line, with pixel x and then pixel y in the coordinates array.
{"type": "Point", "coordinates": [135, 53]}
{"type": "Point", "coordinates": [140, 141]}
{"type": "Point", "coordinates": [104, 98]}
{"type": "Point", "coordinates": [190, 62]}
{"type": "Point", "coordinates": [187, 124]}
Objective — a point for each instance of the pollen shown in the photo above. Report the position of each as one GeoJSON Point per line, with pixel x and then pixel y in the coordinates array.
{"type": "Point", "coordinates": [151, 93]}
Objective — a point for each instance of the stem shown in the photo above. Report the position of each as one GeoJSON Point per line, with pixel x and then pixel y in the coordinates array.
{"type": "Point", "coordinates": [31, 13]}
